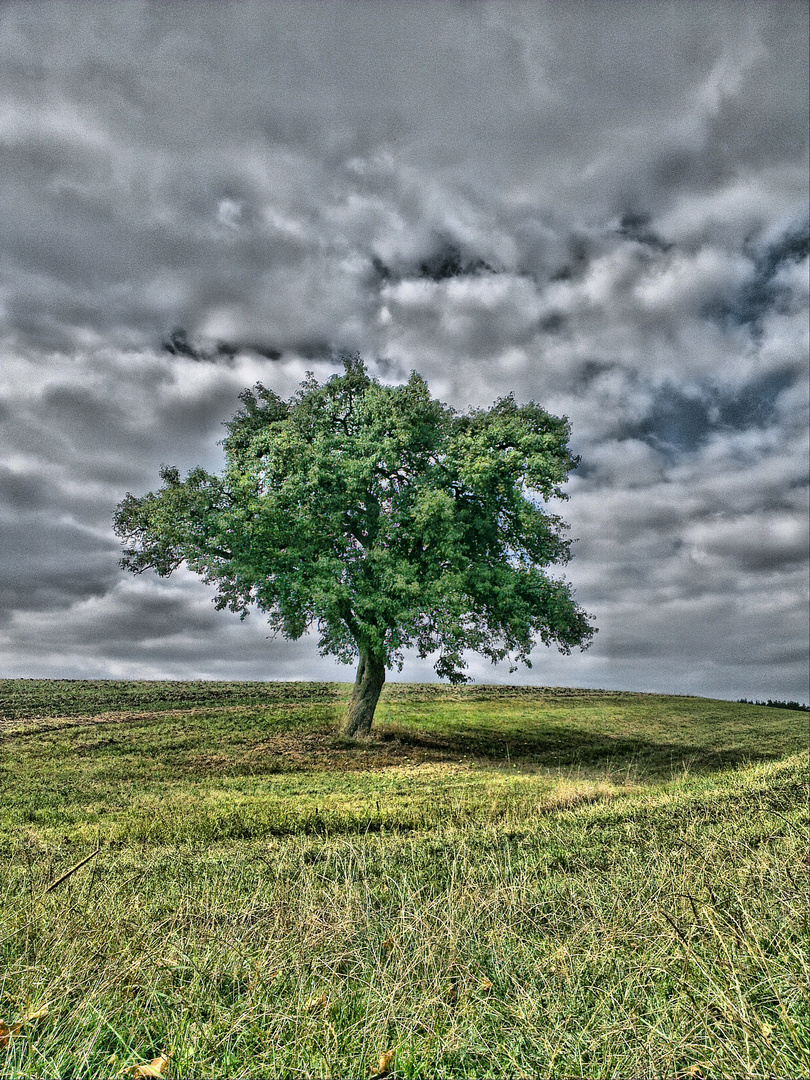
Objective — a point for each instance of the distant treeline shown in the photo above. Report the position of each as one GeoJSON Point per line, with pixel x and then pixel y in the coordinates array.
{"type": "Point", "coordinates": [777, 704]}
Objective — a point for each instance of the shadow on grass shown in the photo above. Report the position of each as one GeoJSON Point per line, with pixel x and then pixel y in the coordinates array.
{"type": "Point", "coordinates": [318, 747]}
{"type": "Point", "coordinates": [572, 749]}
{"type": "Point", "coordinates": [203, 729]}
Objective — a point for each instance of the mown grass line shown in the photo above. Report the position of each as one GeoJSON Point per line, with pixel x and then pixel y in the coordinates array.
{"type": "Point", "coordinates": [269, 900]}
{"type": "Point", "coordinates": [28, 698]}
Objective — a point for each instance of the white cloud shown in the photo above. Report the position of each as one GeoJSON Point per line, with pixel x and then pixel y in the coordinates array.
{"type": "Point", "coordinates": [262, 176]}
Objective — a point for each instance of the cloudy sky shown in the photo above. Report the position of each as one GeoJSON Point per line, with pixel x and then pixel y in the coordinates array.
{"type": "Point", "coordinates": [601, 207]}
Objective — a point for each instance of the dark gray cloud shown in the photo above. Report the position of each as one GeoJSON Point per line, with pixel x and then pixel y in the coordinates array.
{"type": "Point", "coordinates": [599, 207]}
{"type": "Point", "coordinates": [765, 289]}
{"type": "Point", "coordinates": [683, 420]}
{"type": "Point", "coordinates": [48, 564]}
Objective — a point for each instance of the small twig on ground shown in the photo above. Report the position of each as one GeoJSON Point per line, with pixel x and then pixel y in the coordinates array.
{"type": "Point", "coordinates": [72, 870]}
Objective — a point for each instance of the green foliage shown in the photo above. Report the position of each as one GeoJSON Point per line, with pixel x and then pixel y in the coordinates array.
{"type": "Point", "coordinates": [379, 516]}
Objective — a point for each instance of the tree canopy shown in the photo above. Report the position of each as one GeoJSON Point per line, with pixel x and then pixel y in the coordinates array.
{"type": "Point", "coordinates": [380, 517]}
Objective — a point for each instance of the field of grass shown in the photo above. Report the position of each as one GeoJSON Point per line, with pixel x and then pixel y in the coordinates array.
{"type": "Point", "coordinates": [502, 882]}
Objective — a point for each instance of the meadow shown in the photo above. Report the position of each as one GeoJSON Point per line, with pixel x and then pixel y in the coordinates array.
{"type": "Point", "coordinates": [205, 880]}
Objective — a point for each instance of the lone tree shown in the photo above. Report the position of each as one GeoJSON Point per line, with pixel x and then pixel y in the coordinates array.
{"type": "Point", "coordinates": [380, 516]}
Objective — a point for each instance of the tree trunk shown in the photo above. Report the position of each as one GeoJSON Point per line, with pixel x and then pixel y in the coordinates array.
{"type": "Point", "coordinates": [367, 688]}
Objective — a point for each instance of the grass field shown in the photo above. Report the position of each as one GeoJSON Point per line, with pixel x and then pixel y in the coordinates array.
{"type": "Point", "coordinates": [502, 882]}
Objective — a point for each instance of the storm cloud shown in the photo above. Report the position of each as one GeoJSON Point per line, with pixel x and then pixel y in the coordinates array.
{"type": "Point", "coordinates": [602, 208]}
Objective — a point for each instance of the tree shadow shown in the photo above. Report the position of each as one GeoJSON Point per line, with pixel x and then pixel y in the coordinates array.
{"type": "Point", "coordinates": [573, 749]}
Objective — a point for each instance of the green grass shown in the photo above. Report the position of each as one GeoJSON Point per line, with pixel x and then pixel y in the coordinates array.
{"type": "Point", "coordinates": [503, 882]}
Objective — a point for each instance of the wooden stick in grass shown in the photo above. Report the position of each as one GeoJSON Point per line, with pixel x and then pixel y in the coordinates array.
{"type": "Point", "coordinates": [72, 870]}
